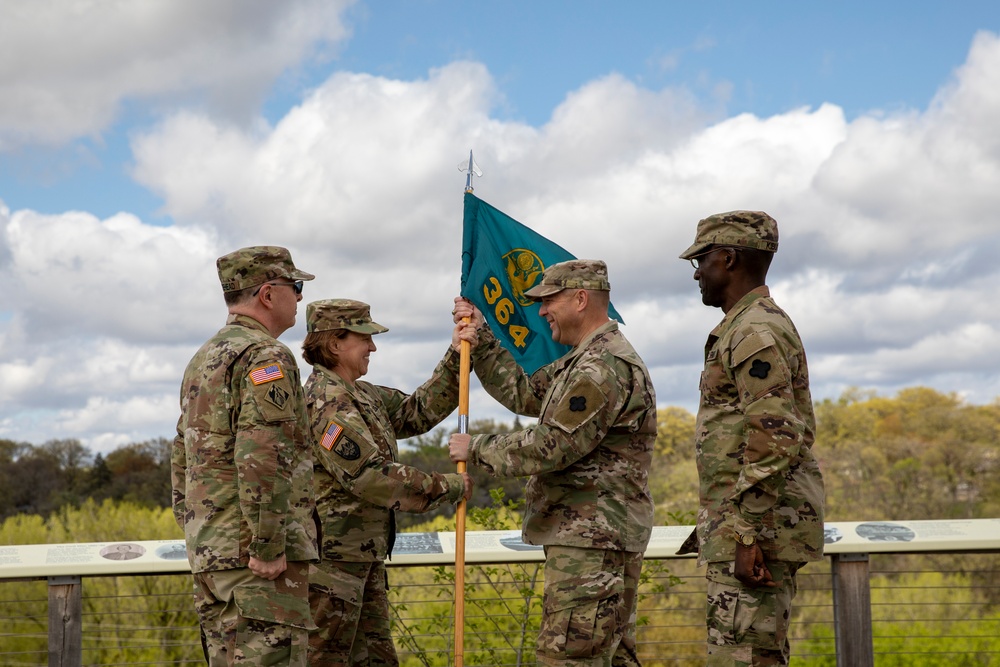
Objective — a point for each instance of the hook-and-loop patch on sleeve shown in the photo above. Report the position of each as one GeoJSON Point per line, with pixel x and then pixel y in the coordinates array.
{"type": "Point", "coordinates": [758, 366]}
{"type": "Point", "coordinates": [272, 392]}
{"type": "Point", "coordinates": [578, 405]}
{"type": "Point", "coordinates": [350, 450]}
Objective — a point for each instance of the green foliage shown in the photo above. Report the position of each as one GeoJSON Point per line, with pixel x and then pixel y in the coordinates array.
{"type": "Point", "coordinates": [943, 455]}
{"type": "Point", "coordinates": [673, 478]}
{"type": "Point", "coordinates": [502, 604]}
{"type": "Point", "coordinates": [127, 619]}
{"type": "Point", "coordinates": [429, 452]}
{"type": "Point", "coordinates": [63, 473]}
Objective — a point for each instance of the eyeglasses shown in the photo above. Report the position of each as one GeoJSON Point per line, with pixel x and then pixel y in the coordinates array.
{"type": "Point", "coordinates": [696, 260]}
{"type": "Point", "coordinates": [297, 286]}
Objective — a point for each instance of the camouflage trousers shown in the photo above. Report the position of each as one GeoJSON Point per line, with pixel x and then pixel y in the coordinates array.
{"type": "Point", "coordinates": [247, 620]}
{"type": "Point", "coordinates": [748, 627]}
{"type": "Point", "coordinates": [350, 605]}
{"type": "Point", "coordinates": [589, 608]}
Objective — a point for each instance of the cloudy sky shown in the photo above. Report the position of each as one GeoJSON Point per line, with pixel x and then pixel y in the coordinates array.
{"type": "Point", "coordinates": [139, 141]}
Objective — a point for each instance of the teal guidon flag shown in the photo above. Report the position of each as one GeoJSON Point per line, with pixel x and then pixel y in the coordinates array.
{"type": "Point", "coordinates": [501, 259]}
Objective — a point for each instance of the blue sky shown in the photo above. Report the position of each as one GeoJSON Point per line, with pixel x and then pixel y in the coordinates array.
{"type": "Point", "coordinates": [139, 142]}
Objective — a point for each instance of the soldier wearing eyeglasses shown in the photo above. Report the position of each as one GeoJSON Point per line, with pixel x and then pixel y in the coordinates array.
{"type": "Point", "coordinates": [241, 470]}
{"type": "Point", "coordinates": [761, 491]}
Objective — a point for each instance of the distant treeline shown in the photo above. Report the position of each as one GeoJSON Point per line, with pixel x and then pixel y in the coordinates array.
{"type": "Point", "coordinates": [919, 455]}
{"type": "Point", "coordinates": [41, 479]}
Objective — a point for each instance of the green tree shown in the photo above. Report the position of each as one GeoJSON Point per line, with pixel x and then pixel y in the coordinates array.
{"type": "Point", "coordinates": [140, 473]}
{"type": "Point", "coordinates": [429, 452]}
{"type": "Point", "coordinates": [673, 478]}
{"type": "Point", "coordinates": [919, 455]}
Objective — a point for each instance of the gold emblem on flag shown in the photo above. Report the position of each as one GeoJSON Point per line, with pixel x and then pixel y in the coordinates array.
{"type": "Point", "coordinates": [524, 268]}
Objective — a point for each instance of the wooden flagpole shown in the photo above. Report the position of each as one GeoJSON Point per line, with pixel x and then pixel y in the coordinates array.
{"type": "Point", "coordinates": [465, 370]}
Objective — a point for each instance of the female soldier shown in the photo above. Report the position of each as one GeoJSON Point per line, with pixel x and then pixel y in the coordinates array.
{"type": "Point", "coordinates": [358, 481]}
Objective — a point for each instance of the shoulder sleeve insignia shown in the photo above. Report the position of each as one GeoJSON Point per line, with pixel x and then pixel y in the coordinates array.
{"type": "Point", "coordinates": [759, 369]}
{"type": "Point", "coordinates": [278, 396]}
{"type": "Point", "coordinates": [333, 431]}
{"type": "Point", "coordinates": [268, 373]}
{"type": "Point", "coordinates": [348, 449]}
{"type": "Point", "coordinates": [765, 372]}
{"type": "Point", "coordinates": [272, 396]}
{"type": "Point", "coordinates": [352, 450]}
{"type": "Point", "coordinates": [578, 405]}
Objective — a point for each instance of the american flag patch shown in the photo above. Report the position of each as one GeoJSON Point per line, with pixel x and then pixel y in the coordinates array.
{"type": "Point", "coordinates": [266, 374]}
{"type": "Point", "coordinates": [330, 437]}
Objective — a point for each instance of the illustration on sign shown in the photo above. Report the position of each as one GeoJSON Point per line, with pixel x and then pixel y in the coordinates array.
{"type": "Point", "coordinates": [878, 531]}
{"type": "Point", "coordinates": [175, 551]}
{"type": "Point", "coordinates": [417, 543]}
{"type": "Point", "coordinates": [832, 534]}
{"type": "Point", "coordinates": [515, 543]}
{"type": "Point", "coordinates": [123, 551]}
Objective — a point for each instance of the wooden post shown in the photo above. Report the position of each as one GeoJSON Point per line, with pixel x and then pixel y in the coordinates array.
{"type": "Point", "coordinates": [465, 370]}
{"type": "Point", "coordinates": [65, 622]}
{"type": "Point", "coordinates": [852, 610]}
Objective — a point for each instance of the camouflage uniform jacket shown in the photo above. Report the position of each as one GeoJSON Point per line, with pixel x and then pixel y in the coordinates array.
{"type": "Point", "coordinates": [240, 465]}
{"type": "Point", "coordinates": [357, 477]}
{"type": "Point", "coordinates": [754, 438]}
{"type": "Point", "coordinates": [589, 454]}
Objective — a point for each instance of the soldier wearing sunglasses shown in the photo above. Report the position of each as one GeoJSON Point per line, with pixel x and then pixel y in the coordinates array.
{"type": "Point", "coordinates": [241, 470]}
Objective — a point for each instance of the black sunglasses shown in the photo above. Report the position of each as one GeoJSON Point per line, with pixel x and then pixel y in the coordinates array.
{"type": "Point", "coordinates": [297, 286]}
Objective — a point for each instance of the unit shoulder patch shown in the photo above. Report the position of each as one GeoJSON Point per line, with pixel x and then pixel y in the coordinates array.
{"type": "Point", "coordinates": [274, 398]}
{"type": "Point", "coordinates": [578, 405]}
{"type": "Point", "coordinates": [765, 372]}
{"type": "Point", "coordinates": [350, 451]}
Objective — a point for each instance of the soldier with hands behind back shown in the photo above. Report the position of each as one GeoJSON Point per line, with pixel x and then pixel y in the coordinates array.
{"type": "Point", "coordinates": [761, 491]}
{"type": "Point", "coordinates": [241, 470]}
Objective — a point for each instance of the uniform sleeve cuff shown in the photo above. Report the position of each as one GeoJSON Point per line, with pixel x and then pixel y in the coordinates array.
{"type": "Point", "coordinates": [743, 527]}
{"type": "Point", "coordinates": [456, 487]}
{"type": "Point", "coordinates": [265, 550]}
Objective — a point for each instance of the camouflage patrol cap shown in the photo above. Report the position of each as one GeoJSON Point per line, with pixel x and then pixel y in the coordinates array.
{"type": "Point", "coordinates": [341, 314]}
{"type": "Point", "coordinates": [571, 274]}
{"type": "Point", "coordinates": [747, 229]}
{"type": "Point", "coordinates": [256, 265]}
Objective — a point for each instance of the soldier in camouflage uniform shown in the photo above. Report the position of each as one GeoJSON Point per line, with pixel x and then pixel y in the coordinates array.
{"type": "Point", "coordinates": [242, 472]}
{"type": "Point", "coordinates": [588, 500]}
{"type": "Point", "coordinates": [359, 483]}
{"type": "Point", "coordinates": [761, 515]}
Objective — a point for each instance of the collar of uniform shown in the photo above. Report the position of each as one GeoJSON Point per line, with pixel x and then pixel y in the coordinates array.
{"type": "Point", "coordinates": [741, 305]}
{"type": "Point", "coordinates": [246, 321]}
{"type": "Point", "coordinates": [333, 377]}
{"type": "Point", "coordinates": [610, 325]}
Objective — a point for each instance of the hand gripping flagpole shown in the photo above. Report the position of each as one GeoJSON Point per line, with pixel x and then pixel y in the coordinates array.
{"type": "Point", "coordinates": [465, 370]}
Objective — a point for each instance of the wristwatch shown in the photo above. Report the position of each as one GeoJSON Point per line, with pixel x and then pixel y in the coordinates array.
{"type": "Point", "coordinates": [746, 540]}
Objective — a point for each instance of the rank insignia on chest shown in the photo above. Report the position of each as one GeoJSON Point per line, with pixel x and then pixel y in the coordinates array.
{"type": "Point", "coordinates": [268, 373]}
{"type": "Point", "coordinates": [578, 403]}
{"type": "Point", "coordinates": [759, 369]}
